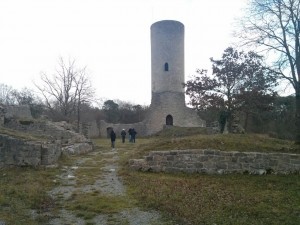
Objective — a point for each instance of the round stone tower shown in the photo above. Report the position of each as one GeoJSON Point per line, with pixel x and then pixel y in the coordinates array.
{"type": "Point", "coordinates": [167, 56]}
{"type": "Point", "coordinates": [167, 77]}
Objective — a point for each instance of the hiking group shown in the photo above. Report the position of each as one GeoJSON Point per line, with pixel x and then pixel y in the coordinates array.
{"type": "Point", "coordinates": [131, 133]}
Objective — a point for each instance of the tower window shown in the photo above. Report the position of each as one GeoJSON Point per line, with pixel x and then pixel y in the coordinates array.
{"type": "Point", "coordinates": [166, 67]}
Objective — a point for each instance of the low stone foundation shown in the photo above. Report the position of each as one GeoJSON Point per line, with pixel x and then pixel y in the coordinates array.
{"type": "Point", "coordinates": [217, 162]}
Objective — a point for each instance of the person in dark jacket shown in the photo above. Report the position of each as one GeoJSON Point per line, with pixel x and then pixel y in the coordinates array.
{"type": "Point", "coordinates": [113, 139]}
{"type": "Point", "coordinates": [133, 133]}
{"type": "Point", "coordinates": [123, 134]}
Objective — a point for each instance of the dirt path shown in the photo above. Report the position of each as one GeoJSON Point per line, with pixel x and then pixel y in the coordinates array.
{"type": "Point", "coordinates": [77, 179]}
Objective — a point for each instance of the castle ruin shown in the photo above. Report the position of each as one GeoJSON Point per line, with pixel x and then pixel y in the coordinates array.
{"type": "Point", "coordinates": [167, 77]}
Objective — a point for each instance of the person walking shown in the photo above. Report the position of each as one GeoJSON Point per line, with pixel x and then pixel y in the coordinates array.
{"type": "Point", "coordinates": [129, 134]}
{"type": "Point", "coordinates": [123, 134]}
{"type": "Point", "coordinates": [113, 139]}
{"type": "Point", "coordinates": [133, 133]}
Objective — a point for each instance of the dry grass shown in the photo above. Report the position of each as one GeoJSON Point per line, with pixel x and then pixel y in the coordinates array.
{"type": "Point", "coordinates": [88, 205]}
{"type": "Point", "coordinates": [224, 142]}
{"type": "Point", "coordinates": [230, 199]}
{"type": "Point", "coordinates": [22, 189]}
{"type": "Point", "coordinates": [214, 199]}
{"type": "Point", "coordinates": [189, 199]}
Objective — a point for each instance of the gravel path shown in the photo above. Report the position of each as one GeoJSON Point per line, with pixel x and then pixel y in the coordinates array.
{"type": "Point", "coordinates": [107, 183]}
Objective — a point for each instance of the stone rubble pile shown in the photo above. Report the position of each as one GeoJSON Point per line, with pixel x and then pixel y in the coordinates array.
{"type": "Point", "coordinates": [25, 141]}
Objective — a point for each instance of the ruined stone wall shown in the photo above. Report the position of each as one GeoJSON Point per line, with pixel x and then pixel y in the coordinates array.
{"type": "Point", "coordinates": [139, 127]}
{"type": "Point", "coordinates": [36, 142]}
{"type": "Point", "coordinates": [217, 162]}
{"type": "Point", "coordinates": [2, 114]}
{"type": "Point", "coordinates": [52, 131]}
{"type": "Point", "coordinates": [17, 152]}
{"type": "Point", "coordinates": [90, 129]}
{"type": "Point", "coordinates": [18, 111]}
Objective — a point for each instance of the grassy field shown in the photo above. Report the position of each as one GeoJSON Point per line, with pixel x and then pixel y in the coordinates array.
{"type": "Point", "coordinates": [22, 189]}
{"type": "Point", "coordinates": [217, 199]}
{"type": "Point", "coordinates": [188, 199]}
{"type": "Point", "coordinates": [230, 199]}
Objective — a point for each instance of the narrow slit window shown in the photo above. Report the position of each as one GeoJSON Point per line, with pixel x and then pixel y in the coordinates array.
{"type": "Point", "coordinates": [166, 67]}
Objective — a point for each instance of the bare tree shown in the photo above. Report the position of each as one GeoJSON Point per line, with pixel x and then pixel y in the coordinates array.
{"type": "Point", "coordinates": [24, 97]}
{"type": "Point", "coordinates": [66, 90]}
{"type": "Point", "coordinates": [85, 93]}
{"type": "Point", "coordinates": [274, 26]}
{"type": "Point", "coordinates": [27, 97]}
{"type": "Point", "coordinates": [6, 94]}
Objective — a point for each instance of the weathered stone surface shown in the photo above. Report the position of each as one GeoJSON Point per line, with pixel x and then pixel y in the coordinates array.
{"type": "Point", "coordinates": [50, 153]}
{"type": "Point", "coordinates": [2, 114]}
{"type": "Point", "coordinates": [16, 152]}
{"type": "Point", "coordinates": [77, 149]}
{"type": "Point", "coordinates": [36, 142]}
{"type": "Point", "coordinates": [22, 111]}
{"type": "Point", "coordinates": [217, 162]}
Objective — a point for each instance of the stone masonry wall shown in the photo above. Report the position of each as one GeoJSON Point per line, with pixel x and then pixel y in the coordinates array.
{"type": "Point", "coordinates": [217, 162]}
{"type": "Point", "coordinates": [16, 152]}
{"type": "Point", "coordinates": [173, 104]}
{"type": "Point", "coordinates": [139, 127]}
{"type": "Point", "coordinates": [36, 142]}
{"type": "Point", "coordinates": [53, 131]}
{"type": "Point", "coordinates": [22, 111]}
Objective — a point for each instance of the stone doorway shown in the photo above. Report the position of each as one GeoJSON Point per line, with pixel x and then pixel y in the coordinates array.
{"type": "Point", "coordinates": [169, 120]}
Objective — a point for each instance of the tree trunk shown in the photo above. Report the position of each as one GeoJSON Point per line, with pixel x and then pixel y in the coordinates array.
{"type": "Point", "coordinates": [78, 117]}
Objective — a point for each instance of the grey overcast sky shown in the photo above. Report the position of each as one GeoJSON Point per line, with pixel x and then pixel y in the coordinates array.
{"type": "Point", "coordinates": [110, 37]}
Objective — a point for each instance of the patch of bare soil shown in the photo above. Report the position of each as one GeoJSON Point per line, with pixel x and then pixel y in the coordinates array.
{"type": "Point", "coordinates": [107, 182]}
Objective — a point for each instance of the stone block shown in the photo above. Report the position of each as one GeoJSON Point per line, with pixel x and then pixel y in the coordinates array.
{"type": "Point", "coordinates": [149, 158]}
{"type": "Point", "coordinates": [190, 170]}
{"type": "Point", "coordinates": [295, 162]}
{"type": "Point", "coordinates": [222, 165]}
{"type": "Point", "coordinates": [209, 152]}
{"type": "Point", "coordinates": [198, 165]}
{"type": "Point", "coordinates": [174, 152]}
{"type": "Point", "coordinates": [203, 158]}
{"type": "Point", "coordinates": [170, 158]}
{"type": "Point", "coordinates": [50, 153]}
{"type": "Point", "coordinates": [187, 157]}
{"type": "Point", "coordinates": [158, 157]}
